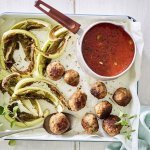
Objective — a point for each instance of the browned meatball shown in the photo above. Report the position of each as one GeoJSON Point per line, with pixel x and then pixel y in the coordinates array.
{"type": "Point", "coordinates": [122, 96]}
{"type": "Point", "coordinates": [99, 90]}
{"type": "Point", "coordinates": [110, 127]}
{"type": "Point", "coordinates": [103, 109]}
{"type": "Point", "coordinates": [55, 70]}
{"type": "Point", "coordinates": [72, 77]}
{"type": "Point", "coordinates": [57, 123]}
{"type": "Point", "coordinates": [89, 123]}
{"type": "Point", "coordinates": [77, 101]}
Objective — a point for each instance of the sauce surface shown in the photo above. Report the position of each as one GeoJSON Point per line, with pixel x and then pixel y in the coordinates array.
{"type": "Point", "coordinates": [107, 49]}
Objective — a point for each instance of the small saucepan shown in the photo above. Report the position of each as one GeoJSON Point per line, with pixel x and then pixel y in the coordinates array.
{"type": "Point", "coordinates": [105, 50]}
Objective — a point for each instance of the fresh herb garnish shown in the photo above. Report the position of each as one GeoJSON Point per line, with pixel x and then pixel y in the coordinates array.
{"type": "Point", "coordinates": [124, 121]}
{"type": "Point", "coordinates": [128, 133]}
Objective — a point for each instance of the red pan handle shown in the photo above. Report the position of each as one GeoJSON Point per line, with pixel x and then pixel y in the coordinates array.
{"type": "Point", "coordinates": [65, 21]}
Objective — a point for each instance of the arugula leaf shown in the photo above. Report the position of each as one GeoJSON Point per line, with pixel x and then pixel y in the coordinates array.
{"type": "Point", "coordinates": [1, 110]}
{"type": "Point", "coordinates": [12, 142]}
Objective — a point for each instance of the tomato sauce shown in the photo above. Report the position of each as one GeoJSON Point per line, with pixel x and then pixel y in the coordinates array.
{"type": "Point", "coordinates": [107, 49]}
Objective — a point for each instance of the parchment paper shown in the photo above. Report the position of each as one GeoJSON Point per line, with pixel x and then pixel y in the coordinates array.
{"type": "Point", "coordinates": [128, 80]}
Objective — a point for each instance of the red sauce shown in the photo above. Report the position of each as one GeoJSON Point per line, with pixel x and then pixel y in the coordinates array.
{"type": "Point", "coordinates": [107, 49]}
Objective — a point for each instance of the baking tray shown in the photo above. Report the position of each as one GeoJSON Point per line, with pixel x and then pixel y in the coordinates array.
{"type": "Point", "coordinates": [11, 18]}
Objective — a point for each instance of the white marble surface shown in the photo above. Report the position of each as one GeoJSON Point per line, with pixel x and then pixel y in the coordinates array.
{"type": "Point", "coordinates": [139, 9]}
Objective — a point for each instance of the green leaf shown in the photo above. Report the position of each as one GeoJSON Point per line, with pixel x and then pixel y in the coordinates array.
{"type": "Point", "coordinates": [117, 123]}
{"type": "Point", "coordinates": [122, 115]}
{"type": "Point", "coordinates": [130, 117]}
{"type": "Point", "coordinates": [128, 136]}
{"type": "Point", "coordinates": [125, 115]}
{"type": "Point", "coordinates": [12, 142]}
{"type": "Point", "coordinates": [12, 124]}
{"type": "Point", "coordinates": [1, 110]}
{"type": "Point", "coordinates": [124, 123]}
{"type": "Point", "coordinates": [124, 132]}
{"type": "Point", "coordinates": [133, 130]}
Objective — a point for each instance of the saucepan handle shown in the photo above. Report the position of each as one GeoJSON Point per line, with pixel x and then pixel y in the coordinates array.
{"type": "Point", "coordinates": [65, 21]}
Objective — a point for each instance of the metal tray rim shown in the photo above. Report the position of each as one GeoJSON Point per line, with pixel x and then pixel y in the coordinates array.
{"type": "Point", "coordinates": [105, 139]}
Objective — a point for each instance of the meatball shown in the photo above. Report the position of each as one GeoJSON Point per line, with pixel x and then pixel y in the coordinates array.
{"type": "Point", "coordinates": [89, 123]}
{"type": "Point", "coordinates": [77, 101]}
{"type": "Point", "coordinates": [55, 70]}
{"type": "Point", "coordinates": [99, 90]}
{"type": "Point", "coordinates": [57, 123]}
{"type": "Point", "coordinates": [72, 77]}
{"type": "Point", "coordinates": [110, 127]}
{"type": "Point", "coordinates": [122, 96]}
{"type": "Point", "coordinates": [103, 109]}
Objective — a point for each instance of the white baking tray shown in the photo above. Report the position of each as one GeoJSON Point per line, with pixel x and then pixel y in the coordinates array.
{"type": "Point", "coordinates": [128, 80]}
